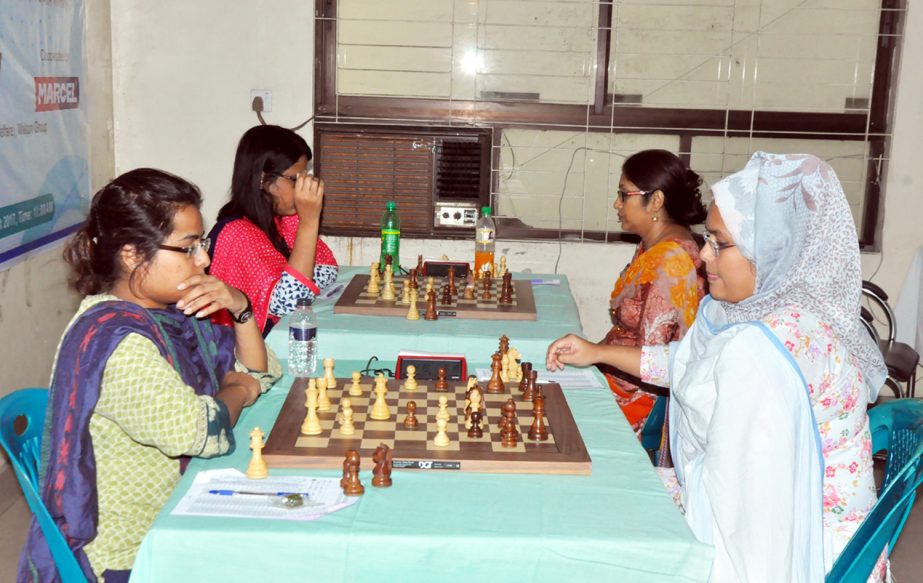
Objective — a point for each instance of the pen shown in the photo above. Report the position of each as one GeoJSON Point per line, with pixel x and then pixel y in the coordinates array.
{"type": "Point", "coordinates": [248, 493]}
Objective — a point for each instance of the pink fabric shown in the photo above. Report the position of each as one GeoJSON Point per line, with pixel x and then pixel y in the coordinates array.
{"type": "Point", "coordinates": [245, 258]}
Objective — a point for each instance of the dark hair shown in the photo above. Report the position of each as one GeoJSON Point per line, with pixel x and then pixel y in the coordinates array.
{"type": "Point", "coordinates": [263, 153]}
{"type": "Point", "coordinates": [664, 171]}
{"type": "Point", "coordinates": [137, 208]}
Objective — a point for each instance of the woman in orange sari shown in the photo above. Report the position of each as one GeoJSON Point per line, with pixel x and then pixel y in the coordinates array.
{"type": "Point", "coordinates": [656, 296]}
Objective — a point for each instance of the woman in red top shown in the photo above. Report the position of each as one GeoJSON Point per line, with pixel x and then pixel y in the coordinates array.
{"type": "Point", "coordinates": [266, 240]}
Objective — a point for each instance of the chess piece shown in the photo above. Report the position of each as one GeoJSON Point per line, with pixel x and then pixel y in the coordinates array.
{"type": "Point", "coordinates": [328, 373]}
{"type": "Point", "coordinates": [529, 393]}
{"type": "Point", "coordinates": [475, 429]}
{"type": "Point", "coordinates": [380, 410]}
{"type": "Point", "coordinates": [419, 265]}
{"type": "Point", "coordinates": [475, 405]}
{"type": "Point", "coordinates": [505, 367]}
{"type": "Point", "coordinates": [485, 285]}
{"type": "Point", "coordinates": [384, 461]}
{"type": "Point", "coordinates": [323, 401]}
{"type": "Point", "coordinates": [256, 469]}
{"type": "Point", "coordinates": [346, 420]}
{"type": "Point", "coordinates": [387, 290]}
{"type": "Point", "coordinates": [443, 412]}
{"type": "Point", "coordinates": [412, 312]}
{"type": "Point", "coordinates": [525, 371]}
{"type": "Point", "coordinates": [430, 284]}
{"type": "Point", "coordinates": [405, 293]}
{"type": "Point", "coordinates": [538, 431]}
{"type": "Point", "coordinates": [495, 385]}
{"type": "Point", "coordinates": [446, 296]}
{"type": "Point", "coordinates": [442, 438]}
{"type": "Point", "coordinates": [502, 265]}
{"type": "Point", "coordinates": [504, 344]}
{"type": "Point", "coordinates": [351, 484]}
{"type": "Point", "coordinates": [373, 279]}
{"type": "Point", "coordinates": [509, 435]}
{"type": "Point", "coordinates": [355, 389]}
{"type": "Point", "coordinates": [410, 421]}
{"type": "Point", "coordinates": [452, 289]}
{"type": "Point", "coordinates": [311, 425]}
{"type": "Point", "coordinates": [411, 383]}
{"type": "Point", "coordinates": [469, 290]}
{"type": "Point", "coordinates": [515, 372]}
{"type": "Point", "coordinates": [431, 313]}
{"type": "Point", "coordinates": [442, 384]}
{"type": "Point", "coordinates": [506, 292]}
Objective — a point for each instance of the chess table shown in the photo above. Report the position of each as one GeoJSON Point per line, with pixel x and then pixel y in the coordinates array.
{"type": "Point", "coordinates": [616, 524]}
{"type": "Point", "coordinates": [356, 299]}
{"type": "Point", "coordinates": [564, 452]}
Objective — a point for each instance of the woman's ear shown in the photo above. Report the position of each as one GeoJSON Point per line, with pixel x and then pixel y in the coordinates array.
{"type": "Point", "coordinates": [129, 257]}
{"type": "Point", "coordinates": [657, 201]}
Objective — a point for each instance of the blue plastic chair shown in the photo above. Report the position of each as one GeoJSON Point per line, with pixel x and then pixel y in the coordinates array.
{"type": "Point", "coordinates": [22, 418]}
{"type": "Point", "coordinates": [897, 426]}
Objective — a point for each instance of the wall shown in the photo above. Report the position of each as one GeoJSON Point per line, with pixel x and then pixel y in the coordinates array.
{"type": "Point", "coordinates": [182, 105]}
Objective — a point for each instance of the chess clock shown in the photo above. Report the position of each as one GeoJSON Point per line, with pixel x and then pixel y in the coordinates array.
{"type": "Point", "coordinates": [428, 365]}
{"type": "Point", "coordinates": [441, 269]}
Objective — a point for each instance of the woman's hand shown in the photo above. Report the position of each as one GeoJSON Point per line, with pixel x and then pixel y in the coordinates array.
{"type": "Point", "coordinates": [206, 294]}
{"type": "Point", "coordinates": [248, 386]}
{"type": "Point", "coordinates": [570, 349]}
{"type": "Point", "coordinates": [309, 197]}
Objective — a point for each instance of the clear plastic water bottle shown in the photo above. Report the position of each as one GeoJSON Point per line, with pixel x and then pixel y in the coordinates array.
{"type": "Point", "coordinates": [302, 340]}
{"type": "Point", "coordinates": [391, 236]}
{"type": "Point", "coordinates": [485, 232]}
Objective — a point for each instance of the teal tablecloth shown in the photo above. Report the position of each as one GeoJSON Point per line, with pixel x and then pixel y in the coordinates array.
{"type": "Point", "coordinates": [618, 524]}
{"type": "Point", "coordinates": [351, 337]}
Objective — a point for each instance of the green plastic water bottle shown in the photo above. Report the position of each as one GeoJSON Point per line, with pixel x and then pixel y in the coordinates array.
{"type": "Point", "coordinates": [391, 236]}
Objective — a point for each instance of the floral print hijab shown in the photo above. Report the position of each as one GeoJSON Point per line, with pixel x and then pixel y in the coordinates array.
{"type": "Point", "coordinates": [788, 215]}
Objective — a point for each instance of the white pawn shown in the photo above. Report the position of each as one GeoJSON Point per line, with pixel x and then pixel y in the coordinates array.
{"type": "Point", "coordinates": [442, 438]}
{"type": "Point", "coordinates": [311, 425]}
{"type": "Point", "coordinates": [474, 405]}
{"type": "Point", "coordinates": [412, 312]}
{"type": "Point", "coordinates": [430, 282]}
{"type": "Point", "coordinates": [387, 290]}
{"type": "Point", "coordinates": [329, 363]}
{"type": "Point", "coordinates": [323, 401]}
{"type": "Point", "coordinates": [405, 294]}
{"type": "Point", "coordinates": [355, 389]}
{"type": "Point", "coordinates": [502, 271]}
{"type": "Point", "coordinates": [380, 410]}
{"type": "Point", "coordinates": [411, 383]}
{"type": "Point", "coordinates": [373, 279]}
{"type": "Point", "coordinates": [346, 421]}
{"type": "Point", "coordinates": [443, 412]}
{"type": "Point", "coordinates": [257, 469]}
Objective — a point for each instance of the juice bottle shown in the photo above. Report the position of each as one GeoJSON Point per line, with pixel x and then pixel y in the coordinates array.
{"type": "Point", "coordinates": [484, 240]}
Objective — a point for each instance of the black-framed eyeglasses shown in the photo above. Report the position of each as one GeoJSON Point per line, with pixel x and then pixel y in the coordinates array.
{"type": "Point", "coordinates": [713, 243]}
{"type": "Point", "coordinates": [292, 179]}
{"type": "Point", "coordinates": [374, 372]}
{"type": "Point", "coordinates": [203, 245]}
{"type": "Point", "coordinates": [623, 194]}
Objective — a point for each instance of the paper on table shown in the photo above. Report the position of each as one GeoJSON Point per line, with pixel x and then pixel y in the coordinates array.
{"type": "Point", "coordinates": [325, 496]}
{"type": "Point", "coordinates": [569, 378]}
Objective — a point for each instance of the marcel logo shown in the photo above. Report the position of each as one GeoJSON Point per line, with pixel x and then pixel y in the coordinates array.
{"type": "Point", "coordinates": [53, 93]}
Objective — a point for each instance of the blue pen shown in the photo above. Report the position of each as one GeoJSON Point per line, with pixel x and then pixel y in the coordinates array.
{"type": "Point", "coordinates": [248, 493]}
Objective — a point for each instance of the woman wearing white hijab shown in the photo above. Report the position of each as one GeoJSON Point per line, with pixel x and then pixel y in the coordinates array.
{"type": "Point", "coordinates": [768, 424]}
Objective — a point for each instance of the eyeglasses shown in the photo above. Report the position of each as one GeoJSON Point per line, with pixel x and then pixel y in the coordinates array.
{"type": "Point", "coordinates": [292, 179]}
{"type": "Point", "coordinates": [713, 243]}
{"type": "Point", "coordinates": [623, 194]}
{"type": "Point", "coordinates": [190, 251]}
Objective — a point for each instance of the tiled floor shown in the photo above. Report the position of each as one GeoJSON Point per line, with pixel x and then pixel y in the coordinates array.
{"type": "Point", "coordinates": [906, 562]}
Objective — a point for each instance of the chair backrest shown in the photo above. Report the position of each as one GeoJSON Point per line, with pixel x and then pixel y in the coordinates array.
{"type": "Point", "coordinates": [880, 299]}
{"type": "Point", "coordinates": [22, 417]}
{"type": "Point", "coordinates": [898, 427]}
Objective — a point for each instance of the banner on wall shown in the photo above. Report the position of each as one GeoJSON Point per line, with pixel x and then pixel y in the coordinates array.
{"type": "Point", "coordinates": [44, 169]}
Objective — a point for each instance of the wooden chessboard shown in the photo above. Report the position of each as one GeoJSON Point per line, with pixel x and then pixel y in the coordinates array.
{"type": "Point", "coordinates": [357, 300]}
{"type": "Point", "coordinates": [563, 453]}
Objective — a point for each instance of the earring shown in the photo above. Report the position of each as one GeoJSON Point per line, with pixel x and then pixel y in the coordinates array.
{"type": "Point", "coordinates": [655, 217]}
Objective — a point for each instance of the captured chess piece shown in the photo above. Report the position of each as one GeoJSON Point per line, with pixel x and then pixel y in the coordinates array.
{"type": "Point", "coordinates": [431, 313]}
{"type": "Point", "coordinates": [538, 431]}
{"type": "Point", "coordinates": [351, 484]}
{"type": "Point", "coordinates": [346, 420]}
{"type": "Point", "coordinates": [311, 425]}
{"type": "Point", "coordinates": [442, 383]}
{"type": "Point", "coordinates": [410, 421]}
{"type": "Point", "coordinates": [384, 461]}
{"type": "Point", "coordinates": [256, 469]}
{"type": "Point", "coordinates": [495, 384]}
{"type": "Point", "coordinates": [329, 363]}
{"type": "Point", "coordinates": [355, 389]}
{"type": "Point", "coordinates": [411, 383]}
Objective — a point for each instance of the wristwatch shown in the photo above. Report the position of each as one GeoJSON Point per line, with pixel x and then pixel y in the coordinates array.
{"type": "Point", "coordinates": [244, 317]}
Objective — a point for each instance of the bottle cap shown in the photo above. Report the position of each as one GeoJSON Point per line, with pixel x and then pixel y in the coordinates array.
{"type": "Point", "coordinates": [390, 205]}
{"type": "Point", "coordinates": [485, 211]}
{"type": "Point", "coordinates": [304, 302]}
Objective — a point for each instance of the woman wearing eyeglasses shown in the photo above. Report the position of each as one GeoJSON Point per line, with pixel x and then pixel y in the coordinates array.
{"type": "Point", "coordinates": [656, 296]}
{"type": "Point", "coordinates": [266, 239]}
{"type": "Point", "coordinates": [142, 377]}
{"type": "Point", "coordinates": [768, 425]}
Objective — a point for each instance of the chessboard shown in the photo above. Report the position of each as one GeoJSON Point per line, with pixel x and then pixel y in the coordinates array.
{"type": "Point", "coordinates": [356, 299]}
{"type": "Point", "coordinates": [562, 453]}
